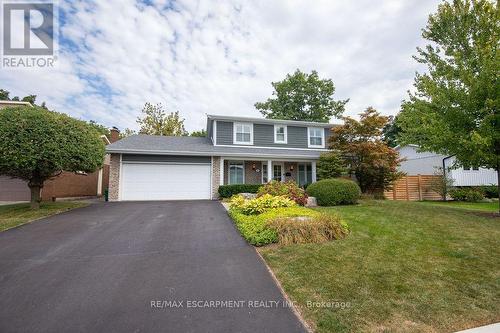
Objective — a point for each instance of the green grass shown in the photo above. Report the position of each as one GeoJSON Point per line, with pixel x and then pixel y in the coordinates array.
{"type": "Point", "coordinates": [18, 214]}
{"type": "Point", "coordinates": [482, 206]}
{"type": "Point", "coordinates": [405, 267]}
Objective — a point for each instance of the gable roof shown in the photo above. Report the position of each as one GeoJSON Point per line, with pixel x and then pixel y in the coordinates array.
{"type": "Point", "coordinates": [270, 121]}
{"type": "Point", "coordinates": [200, 146]}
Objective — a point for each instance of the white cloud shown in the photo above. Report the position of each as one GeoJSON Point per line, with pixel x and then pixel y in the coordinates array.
{"type": "Point", "coordinates": [220, 57]}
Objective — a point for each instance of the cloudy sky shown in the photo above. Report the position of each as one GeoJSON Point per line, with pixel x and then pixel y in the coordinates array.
{"type": "Point", "coordinates": [220, 57]}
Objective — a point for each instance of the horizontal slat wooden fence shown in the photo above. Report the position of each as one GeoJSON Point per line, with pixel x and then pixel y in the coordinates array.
{"type": "Point", "coordinates": [413, 188]}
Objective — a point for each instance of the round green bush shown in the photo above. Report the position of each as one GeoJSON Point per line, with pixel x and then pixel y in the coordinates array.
{"type": "Point", "coordinates": [334, 191]}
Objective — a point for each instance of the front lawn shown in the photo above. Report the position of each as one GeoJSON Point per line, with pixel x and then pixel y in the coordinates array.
{"type": "Point", "coordinates": [405, 267]}
{"type": "Point", "coordinates": [14, 215]}
{"type": "Point", "coordinates": [483, 206]}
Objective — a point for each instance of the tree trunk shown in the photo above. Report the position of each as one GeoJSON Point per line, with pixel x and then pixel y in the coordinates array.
{"type": "Point", "coordinates": [35, 196]}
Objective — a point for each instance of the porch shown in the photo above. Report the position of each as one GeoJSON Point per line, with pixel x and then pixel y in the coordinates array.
{"type": "Point", "coordinates": [262, 171]}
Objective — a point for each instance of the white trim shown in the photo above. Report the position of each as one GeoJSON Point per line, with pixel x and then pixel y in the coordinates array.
{"type": "Point", "coordinates": [264, 147]}
{"type": "Point", "coordinates": [322, 130]}
{"type": "Point", "coordinates": [214, 133]}
{"type": "Point", "coordinates": [99, 182]}
{"type": "Point", "coordinates": [313, 172]}
{"type": "Point", "coordinates": [285, 132]}
{"type": "Point", "coordinates": [271, 121]}
{"type": "Point", "coordinates": [221, 171]}
{"type": "Point", "coordinates": [229, 170]}
{"type": "Point", "coordinates": [15, 103]}
{"type": "Point", "coordinates": [269, 170]}
{"type": "Point", "coordinates": [235, 124]}
{"type": "Point", "coordinates": [106, 139]}
{"type": "Point", "coordinates": [120, 180]}
{"type": "Point", "coordinates": [160, 162]}
{"type": "Point", "coordinates": [191, 153]}
{"type": "Point", "coordinates": [211, 177]}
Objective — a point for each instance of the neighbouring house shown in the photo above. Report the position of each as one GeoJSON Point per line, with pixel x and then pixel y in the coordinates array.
{"type": "Point", "coordinates": [7, 104]}
{"type": "Point", "coordinates": [427, 163]}
{"type": "Point", "coordinates": [65, 185]}
{"type": "Point", "coordinates": [236, 150]}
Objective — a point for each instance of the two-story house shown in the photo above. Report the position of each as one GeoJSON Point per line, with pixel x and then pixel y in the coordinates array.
{"type": "Point", "coordinates": [237, 150]}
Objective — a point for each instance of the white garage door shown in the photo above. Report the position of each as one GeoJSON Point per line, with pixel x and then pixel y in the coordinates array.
{"type": "Point", "coordinates": [165, 181]}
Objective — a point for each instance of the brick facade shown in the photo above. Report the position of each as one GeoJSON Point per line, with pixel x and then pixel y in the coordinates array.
{"type": "Point", "coordinates": [114, 177]}
{"type": "Point", "coordinates": [215, 176]}
{"type": "Point", "coordinates": [254, 177]}
{"type": "Point", "coordinates": [293, 173]}
{"type": "Point", "coordinates": [251, 175]}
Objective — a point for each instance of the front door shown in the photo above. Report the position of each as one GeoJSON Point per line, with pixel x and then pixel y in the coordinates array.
{"type": "Point", "coordinates": [278, 172]}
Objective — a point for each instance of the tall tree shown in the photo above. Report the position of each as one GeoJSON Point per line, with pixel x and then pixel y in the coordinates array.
{"type": "Point", "coordinates": [368, 157]}
{"type": "Point", "coordinates": [454, 110]}
{"type": "Point", "coordinates": [30, 98]}
{"type": "Point", "coordinates": [103, 130]}
{"type": "Point", "coordinates": [38, 144]}
{"type": "Point", "coordinates": [156, 122]}
{"type": "Point", "coordinates": [126, 132]}
{"type": "Point", "coordinates": [4, 95]}
{"type": "Point", "coordinates": [200, 133]}
{"type": "Point", "coordinates": [302, 96]}
{"type": "Point", "coordinates": [391, 131]}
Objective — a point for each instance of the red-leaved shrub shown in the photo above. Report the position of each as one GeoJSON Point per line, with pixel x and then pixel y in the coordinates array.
{"type": "Point", "coordinates": [290, 189]}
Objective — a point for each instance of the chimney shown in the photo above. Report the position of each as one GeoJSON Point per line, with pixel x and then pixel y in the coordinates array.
{"type": "Point", "coordinates": [115, 134]}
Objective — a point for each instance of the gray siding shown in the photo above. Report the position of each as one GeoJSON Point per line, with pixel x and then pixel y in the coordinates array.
{"type": "Point", "coordinates": [165, 158]}
{"type": "Point", "coordinates": [224, 133]}
{"type": "Point", "coordinates": [263, 135]}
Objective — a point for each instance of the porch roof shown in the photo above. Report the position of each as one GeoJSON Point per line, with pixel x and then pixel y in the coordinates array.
{"type": "Point", "coordinates": [202, 146]}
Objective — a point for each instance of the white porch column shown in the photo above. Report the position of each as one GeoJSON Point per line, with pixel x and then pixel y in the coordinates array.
{"type": "Point", "coordinates": [99, 182]}
{"type": "Point", "coordinates": [313, 171]}
{"type": "Point", "coordinates": [221, 172]}
{"type": "Point", "coordinates": [269, 170]}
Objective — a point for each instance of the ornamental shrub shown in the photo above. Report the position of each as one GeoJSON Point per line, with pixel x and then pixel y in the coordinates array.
{"type": "Point", "coordinates": [335, 191]}
{"type": "Point", "coordinates": [254, 228]}
{"type": "Point", "coordinates": [490, 191]}
{"type": "Point", "coordinates": [227, 191]}
{"type": "Point", "coordinates": [468, 194]}
{"type": "Point", "coordinates": [319, 229]}
{"type": "Point", "coordinates": [260, 204]}
{"type": "Point", "coordinates": [289, 189]}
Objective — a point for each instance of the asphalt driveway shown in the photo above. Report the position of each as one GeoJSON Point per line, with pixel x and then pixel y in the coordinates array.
{"type": "Point", "coordinates": [137, 267]}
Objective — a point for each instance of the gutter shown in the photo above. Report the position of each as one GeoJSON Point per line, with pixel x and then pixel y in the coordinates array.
{"type": "Point", "coordinates": [187, 153]}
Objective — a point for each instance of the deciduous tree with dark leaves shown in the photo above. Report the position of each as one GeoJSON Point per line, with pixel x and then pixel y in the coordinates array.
{"type": "Point", "coordinates": [367, 156]}
{"type": "Point", "coordinates": [302, 96]}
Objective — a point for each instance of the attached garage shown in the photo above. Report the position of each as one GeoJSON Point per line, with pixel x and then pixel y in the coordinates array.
{"type": "Point", "coordinates": [163, 177]}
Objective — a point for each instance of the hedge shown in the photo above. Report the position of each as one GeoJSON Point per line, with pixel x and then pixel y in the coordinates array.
{"type": "Point", "coordinates": [227, 191]}
{"type": "Point", "coordinates": [334, 191]}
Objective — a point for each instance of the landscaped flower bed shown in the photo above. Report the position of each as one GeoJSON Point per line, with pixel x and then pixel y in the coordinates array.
{"type": "Point", "coordinates": [276, 219]}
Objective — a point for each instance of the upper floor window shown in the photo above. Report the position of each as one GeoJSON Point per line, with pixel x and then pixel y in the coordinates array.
{"type": "Point", "coordinates": [280, 135]}
{"type": "Point", "coordinates": [316, 137]}
{"type": "Point", "coordinates": [243, 133]}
